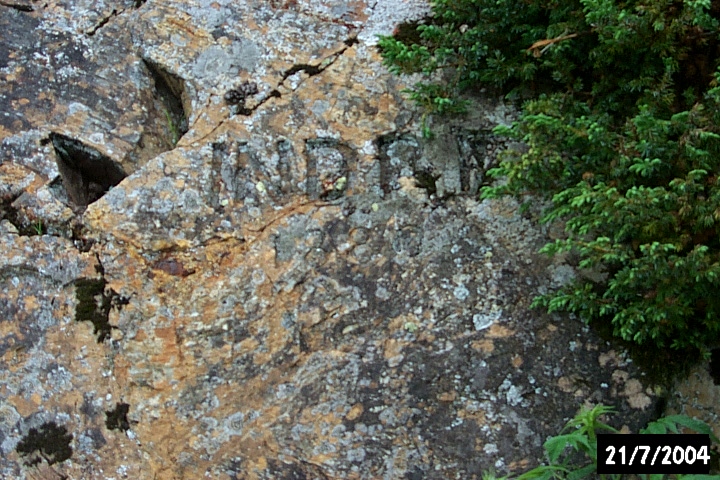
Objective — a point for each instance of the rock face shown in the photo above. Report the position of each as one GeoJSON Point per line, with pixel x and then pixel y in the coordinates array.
{"type": "Point", "coordinates": [227, 253]}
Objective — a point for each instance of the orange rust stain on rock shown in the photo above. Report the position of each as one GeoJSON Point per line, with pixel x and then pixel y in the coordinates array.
{"type": "Point", "coordinates": [262, 358]}
{"type": "Point", "coordinates": [321, 458]}
{"type": "Point", "coordinates": [140, 336]}
{"type": "Point", "coordinates": [24, 407]}
{"type": "Point", "coordinates": [392, 348]}
{"type": "Point", "coordinates": [566, 384]}
{"type": "Point", "coordinates": [498, 331]}
{"type": "Point", "coordinates": [517, 361]}
{"type": "Point", "coordinates": [477, 416]}
{"type": "Point", "coordinates": [6, 331]}
{"type": "Point", "coordinates": [485, 345]}
{"type": "Point", "coordinates": [279, 337]}
{"type": "Point", "coordinates": [17, 174]}
{"type": "Point", "coordinates": [398, 323]}
{"type": "Point", "coordinates": [259, 464]}
{"type": "Point", "coordinates": [610, 358]}
{"type": "Point", "coordinates": [427, 337]}
{"type": "Point", "coordinates": [121, 367]}
{"type": "Point", "coordinates": [31, 303]}
{"type": "Point", "coordinates": [355, 411]}
{"type": "Point", "coordinates": [167, 334]}
{"type": "Point", "coordinates": [247, 345]}
{"type": "Point", "coordinates": [169, 441]}
{"type": "Point", "coordinates": [170, 350]}
{"type": "Point", "coordinates": [447, 396]}
{"type": "Point", "coordinates": [281, 117]}
{"type": "Point", "coordinates": [636, 397]}
{"type": "Point", "coordinates": [161, 386]}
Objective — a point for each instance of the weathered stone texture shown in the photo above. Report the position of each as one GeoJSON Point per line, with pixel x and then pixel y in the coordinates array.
{"type": "Point", "coordinates": [292, 284]}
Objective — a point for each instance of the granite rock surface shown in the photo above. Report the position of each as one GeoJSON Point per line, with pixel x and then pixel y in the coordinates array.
{"type": "Point", "coordinates": [226, 252]}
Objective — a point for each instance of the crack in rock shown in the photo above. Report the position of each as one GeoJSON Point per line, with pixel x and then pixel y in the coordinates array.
{"type": "Point", "coordinates": [20, 7]}
{"type": "Point", "coordinates": [103, 21]}
{"type": "Point", "coordinates": [324, 64]}
{"type": "Point", "coordinates": [310, 69]}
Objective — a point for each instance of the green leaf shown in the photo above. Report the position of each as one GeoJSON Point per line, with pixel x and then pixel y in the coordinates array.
{"type": "Point", "coordinates": [698, 477]}
{"type": "Point", "coordinates": [583, 472]}
{"type": "Point", "coordinates": [693, 424]}
{"type": "Point", "coordinates": [555, 446]}
{"type": "Point", "coordinates": [620, 139]}
{"type": "Point", "coordinates": [543, 472]}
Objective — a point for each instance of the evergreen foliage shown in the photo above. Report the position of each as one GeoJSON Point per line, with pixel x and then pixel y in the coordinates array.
{"type": "Point", "coordinates": [621, 119]}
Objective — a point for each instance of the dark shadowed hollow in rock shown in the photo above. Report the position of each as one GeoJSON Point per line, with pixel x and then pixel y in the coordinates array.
{"type": "Point", "coordinates": [86, 173]}
{"type": "Point", "coordinates": [170, 91]}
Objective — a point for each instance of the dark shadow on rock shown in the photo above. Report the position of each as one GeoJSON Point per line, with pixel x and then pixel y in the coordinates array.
{"type": "Point", "coordinates": [51, 443]}
{"type": "Point", "coordinates": [116, 419]}
{"type": "Point", "coordinates": [94, 304]}
{"type": "Point", "coordinates": [86, 173]}
{"type": "Point", "coordinates": [170, 90]}
{"type": "Point", "coordinates": [715, 365]}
